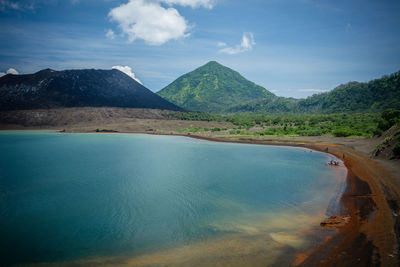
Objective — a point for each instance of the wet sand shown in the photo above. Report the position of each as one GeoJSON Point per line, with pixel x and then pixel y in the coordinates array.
{"type": "Point", "coordinates": [256, 246]}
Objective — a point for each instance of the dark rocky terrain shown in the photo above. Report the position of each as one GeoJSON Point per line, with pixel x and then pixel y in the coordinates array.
{"type": "Point", "coordinates": [77, 88]}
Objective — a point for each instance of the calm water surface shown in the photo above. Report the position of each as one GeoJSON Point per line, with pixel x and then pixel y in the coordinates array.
{"type": "Point", "coordinates": [142, 199]}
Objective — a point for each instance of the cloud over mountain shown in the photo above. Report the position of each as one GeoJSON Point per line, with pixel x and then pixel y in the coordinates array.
{"type": "Point", "coordinates": [128, 71]}
{"type": "Point", "coordinates": [12, 71]}
{"type": "Point", "coordinates": [9, 71]}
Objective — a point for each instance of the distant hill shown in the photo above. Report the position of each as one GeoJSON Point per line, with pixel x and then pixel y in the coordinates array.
{"type": "Point", "coordinates": [77, 88]}
{"type": "Point", "coordinates": [376, 95]}
{"type": "Point", "coordinates": [213, 88]}
{"type": "Point", "coordinates": [218, 89]}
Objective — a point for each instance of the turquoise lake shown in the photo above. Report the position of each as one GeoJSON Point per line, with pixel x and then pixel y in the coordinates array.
{"type": "Point", "coordinates": [129, 199]}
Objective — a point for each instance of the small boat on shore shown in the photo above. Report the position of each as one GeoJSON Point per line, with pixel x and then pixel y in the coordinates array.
{"type": "Point", "coordinates": [334, 163]}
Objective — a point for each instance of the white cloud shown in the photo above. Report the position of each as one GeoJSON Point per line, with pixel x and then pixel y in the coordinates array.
{"type": "Point", "coordinates": [246, 45]}
{"type": "Point", "coordinates": [274, 91]}
{"type": "Point", "coordinates": [311, 90]}
{"type": "Point", "coordinates": [191, 3]}
{"type": "Point", "coordinates": [221, 44]}
{"type": "Point", "coordinates": [150, 21]}
{"type": "Point", "coordinates": [110, 34]}
{"type": "Point", "coordinates": [9, 5]}
{"type": "Point", "coordinates": [12, 71]}
{"type": "Point", "coordinates": [14, 5]}
{"type": "Point", "coordinates": [9, 71]}
{"type": "Point", "coordinates": [128, 71]}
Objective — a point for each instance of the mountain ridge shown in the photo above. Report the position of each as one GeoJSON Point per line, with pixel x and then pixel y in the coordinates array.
{"type": "Point", "coordinates": [375, 95]}
{"type": "Point", "coordinates": [211, 88]}
{"type": "Point", "coordinates": [48, 88]}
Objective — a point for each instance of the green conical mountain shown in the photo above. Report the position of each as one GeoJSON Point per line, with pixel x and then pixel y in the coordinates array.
{"type": "Point", "coordinates": [213, 88]}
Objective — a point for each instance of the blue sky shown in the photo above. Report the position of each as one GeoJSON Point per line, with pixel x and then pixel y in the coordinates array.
{"type": "Point", "coordinates": [291, 47]}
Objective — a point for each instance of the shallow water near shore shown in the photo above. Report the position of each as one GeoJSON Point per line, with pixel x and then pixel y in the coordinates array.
{"type": "Point", "coordinates": [145, 200]}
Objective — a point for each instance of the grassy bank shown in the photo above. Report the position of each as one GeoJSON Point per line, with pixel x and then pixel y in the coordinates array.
{"type": "Point", "coordinates": [337, 125]}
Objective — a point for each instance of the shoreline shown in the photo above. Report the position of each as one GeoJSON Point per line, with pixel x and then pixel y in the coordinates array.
{"type": "Point", "coordinates": [371, 236]}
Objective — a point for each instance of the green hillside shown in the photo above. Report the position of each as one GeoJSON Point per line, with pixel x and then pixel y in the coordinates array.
{"type": "Point", "coordinates": [218, 89]}
{"type": "Point", "coordinates": [213, 88]}
{"type": "Point", "coordinates": [376, 95]}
